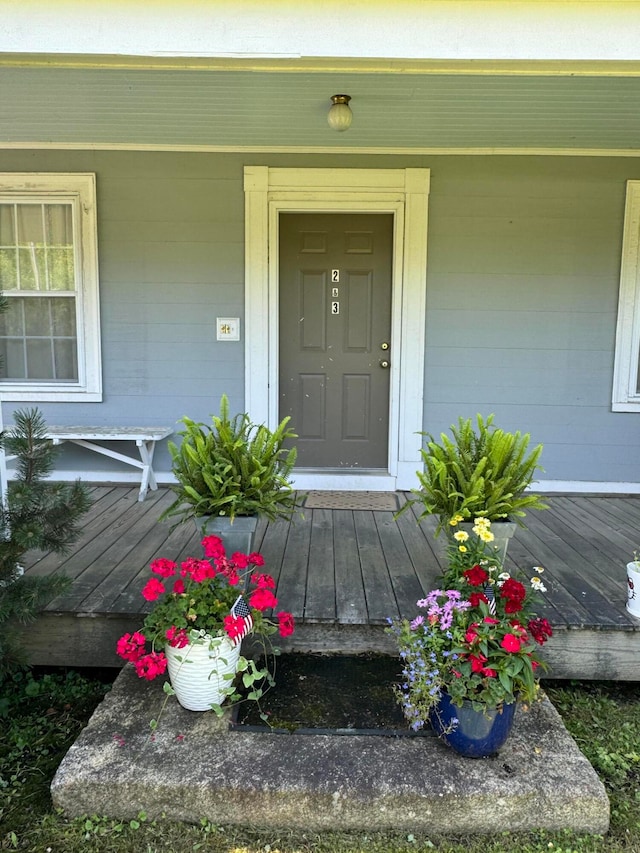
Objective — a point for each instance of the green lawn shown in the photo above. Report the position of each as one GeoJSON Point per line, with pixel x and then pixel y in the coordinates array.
{"type": "Point", "coordinates": [41, 717]}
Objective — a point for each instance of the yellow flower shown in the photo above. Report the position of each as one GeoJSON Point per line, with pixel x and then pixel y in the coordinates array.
{"type": "Point", "coordinates": [485, 535]}
{"type": "Point", "coordinates": [461, 536]}
{"type": "Point", "coordinates": [455, 520]}
{"type": "Point", "coordinates": [481, 521]}
{"type": "Point", "coordinates": [462, 549]}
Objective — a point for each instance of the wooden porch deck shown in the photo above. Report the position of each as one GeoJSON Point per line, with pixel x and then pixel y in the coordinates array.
{"type": "Point", "coordinates": [343, 572]}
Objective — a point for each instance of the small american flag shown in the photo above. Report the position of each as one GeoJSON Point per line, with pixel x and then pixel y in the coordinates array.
{"type": "Point", "coordinates": [241, 611]}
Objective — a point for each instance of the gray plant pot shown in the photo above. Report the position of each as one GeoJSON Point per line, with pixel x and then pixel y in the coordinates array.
{"type": "Point", "coordinates": [237, 535]}
{"type": "Point", "coordinates": [502, 531]}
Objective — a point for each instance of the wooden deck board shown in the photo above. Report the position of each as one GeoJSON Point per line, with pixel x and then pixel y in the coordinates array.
{"type": "Point", "coordinates": [343, 572]}
{"type": "Point", "coordinates": [351, 603]}
{"type": "Point", "coordinates": [379, 593]}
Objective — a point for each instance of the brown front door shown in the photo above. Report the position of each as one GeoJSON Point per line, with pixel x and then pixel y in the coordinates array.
{"type": "Point", "coordinates": [335, 344]}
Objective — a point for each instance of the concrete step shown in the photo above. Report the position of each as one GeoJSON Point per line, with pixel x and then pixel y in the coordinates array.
{"type": "Point", "coordinates": [194, 767]}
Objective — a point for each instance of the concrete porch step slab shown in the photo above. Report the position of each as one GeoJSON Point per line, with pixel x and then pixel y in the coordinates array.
{"type": "Point", "coordinates": [194, 768]}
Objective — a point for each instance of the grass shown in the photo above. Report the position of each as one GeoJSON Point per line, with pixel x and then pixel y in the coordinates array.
{"type": "Point", "coordinates": [41, 716]}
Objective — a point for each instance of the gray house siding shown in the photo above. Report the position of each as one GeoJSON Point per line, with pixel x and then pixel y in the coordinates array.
{"type": "Point", "coordinates": [522, 289]}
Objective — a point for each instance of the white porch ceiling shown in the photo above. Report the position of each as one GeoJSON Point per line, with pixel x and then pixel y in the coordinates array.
{"type": "Point", "coordinates": [271, 110]}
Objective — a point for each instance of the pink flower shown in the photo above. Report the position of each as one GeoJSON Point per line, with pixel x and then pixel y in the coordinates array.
{"type": "Point", "coordinates": [511, 643]}
{"type": "Point", "coordinates": [177, 637]}
{"type": "Point", "coordinates": [240, 560]}
{"type": "Point", "coordinates": [164, 568]}
{"type": "Point", "coordinates": [286, 624]}
{"type": "Point", "coordinates": [197, 570]}
{"type": "Point", "coordinates": [256, 559]}
{"type": "Point", "coordinates": [213, 547]}
{"type": "Point", "coordinates": [131, 646]}
{"type": "Point", "coordinates": [178, 586]}
{"type": "Point", "coordinates": [153, 589]}
{"type": "Point", "coordinates": [233, 625]}
{"type": "Point", "coordinates": [151, 665]}
{"type": "Point", "coordinates": [262, 599]}
{"type": "Point", "coordinates": [263, 581]}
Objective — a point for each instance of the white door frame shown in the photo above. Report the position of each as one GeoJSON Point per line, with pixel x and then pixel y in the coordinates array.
{"type": "Point", "coordinates": [405, 194]}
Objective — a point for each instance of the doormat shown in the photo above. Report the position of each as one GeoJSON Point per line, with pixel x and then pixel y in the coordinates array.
{"type": "Point", "coordinates": [386, 501]}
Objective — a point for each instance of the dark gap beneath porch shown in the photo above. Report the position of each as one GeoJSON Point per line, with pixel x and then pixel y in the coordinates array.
{"type": "Point", "coordinates": [338, 694]}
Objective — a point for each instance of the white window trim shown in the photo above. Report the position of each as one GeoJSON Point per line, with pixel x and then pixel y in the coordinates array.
{"type": "Point", "coordinates": [405, 194]}
{"type": "Point", "coordinates": [625, 371]}
{"type": "Point", "coordinates": [80, 189]}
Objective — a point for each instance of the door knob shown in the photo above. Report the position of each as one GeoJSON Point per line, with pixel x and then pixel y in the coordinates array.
{"type": "Point", "coordinates": [384, 363]}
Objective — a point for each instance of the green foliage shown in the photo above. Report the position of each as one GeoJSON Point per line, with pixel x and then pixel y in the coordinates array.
{"type": "Point", "coordinates": [39, 514]}
{"type": "Point", "coordinates": [45, 719]}
{"type": "Point", "coordinates": [40, 719]}
{"type": "Point", "coordinates": [483, 471]}
{"type": "Point", "coordinates": [232, 467]}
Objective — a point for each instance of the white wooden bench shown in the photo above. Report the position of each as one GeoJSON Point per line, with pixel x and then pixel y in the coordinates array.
{"type": "Point", "coordinates": [87, 436]}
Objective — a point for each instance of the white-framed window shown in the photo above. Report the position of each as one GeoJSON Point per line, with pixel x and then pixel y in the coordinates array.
{"type": "Point", "coordinates": [50, 333]}
{"type": "Point", "coordinates": [626, 372]}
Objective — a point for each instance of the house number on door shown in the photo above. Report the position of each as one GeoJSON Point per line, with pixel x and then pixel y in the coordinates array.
{"type": "Point", "coordinates": [335, 276]}
{"type": "Point", "coordinates": [335, 307]}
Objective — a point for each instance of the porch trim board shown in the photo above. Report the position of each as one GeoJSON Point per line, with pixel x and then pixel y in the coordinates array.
{"type": "Point", "coordinates": [431, 151]}
{"type": "Point", "coordinates": [405, 194]}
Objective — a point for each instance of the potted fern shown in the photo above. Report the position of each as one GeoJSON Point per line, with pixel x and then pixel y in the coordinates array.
{"type": "Point", "coordinates": [481, 472]}
{"type": "Point", "coordinates": [229, 474]}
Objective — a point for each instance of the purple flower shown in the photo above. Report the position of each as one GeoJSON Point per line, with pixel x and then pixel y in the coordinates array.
{"type": "Point", "coordinates": [417, 622]}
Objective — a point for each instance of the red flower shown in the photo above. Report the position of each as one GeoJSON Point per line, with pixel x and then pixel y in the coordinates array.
{"type": "Point", "coordinates": [286, 625]}
{"type": "Point", "coordinates": [213, 546]}
{"type": "Point", "coordinates": [472, 634]}
{"type": "Point", "coordinates": [491, 621]}
{"type": "Point", "coordinates": [177, 637]}
{"type": "Point", "coordinates": [178, 586]}
{"type": "Point", "coordinates": [263, 581]}
{"type": "Point", "coordinates": [256, 559]}
{"type": "Point", "coordinates": [151, 665]}
{"type": "Point", "coordinates": [540, 630]}
{"type": "Point", "coordinates": [164, 568]}
{"type": "Point", "coordinates": [153, 589]}
{"type": "Point", "coordinates": [233, 625]}
{"type": "Point", "coordinates": [131, 646]}
{"type": "Point", "coordinates": [197, 570]}
{"type": "Point", "coordinates": [511, 643]}
{"type": "Point", "coordinates": [262, 599]}
{"type": "Point", "coordinates": [490, 673]}
{"type": "Point", "coordinates": [240, 560]}
{"type": "Point", "coordinates": [513, 590]}
{"type": "Point", "coordinates": [476, 597]}
{"type": "Point", "coordinates": [512, 606]}
{"type": "Point", "coordinates": [477, 662]}
{"type": "Point", "coordinates": [476, 576]}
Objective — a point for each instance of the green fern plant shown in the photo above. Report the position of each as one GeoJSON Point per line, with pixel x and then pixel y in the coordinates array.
{"type": "Point", "coordinates": [481, 471]}
{"type": "Point", "coordinates": [232, 467]}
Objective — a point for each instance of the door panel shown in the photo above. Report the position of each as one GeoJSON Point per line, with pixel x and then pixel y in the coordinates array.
{"type": "Point", "coordinates": [335, 314]}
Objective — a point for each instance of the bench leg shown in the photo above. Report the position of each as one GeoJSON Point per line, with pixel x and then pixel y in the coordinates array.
{"type": "Point", "coordinates": [148, 481]}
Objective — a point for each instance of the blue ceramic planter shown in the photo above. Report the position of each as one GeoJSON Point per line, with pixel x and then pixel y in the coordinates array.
{"type": "Point", "coordinates": [476, 734]}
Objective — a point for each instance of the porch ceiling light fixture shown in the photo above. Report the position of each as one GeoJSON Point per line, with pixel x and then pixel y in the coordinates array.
{"type": "Point", "coordinates": [340, 115]}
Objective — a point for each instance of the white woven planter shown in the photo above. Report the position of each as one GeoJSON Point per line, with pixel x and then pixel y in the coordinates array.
{"type": "Point", "coordinates": [197, 671]}
{"type": "Point", "coordinates": [633, 589]}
